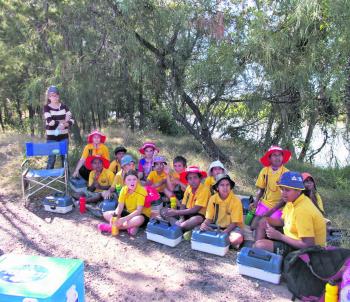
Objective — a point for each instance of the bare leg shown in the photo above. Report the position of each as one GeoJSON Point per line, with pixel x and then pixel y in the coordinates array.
{"type": "Point", "coordinates": [264, 244]}
{"type": "Point", "coordinates": [236, 239]}
{"type": "Point", "coordinates": [190, 223]}
{"type": "Point", "coordinates": [260, 232]}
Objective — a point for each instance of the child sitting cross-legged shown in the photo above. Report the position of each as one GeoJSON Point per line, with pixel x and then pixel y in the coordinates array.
{"type": "Point", "coordinates": [157, 177]}
{"type": "Point", "coordinates": [303, 224]}
{"type": "Point", "coordinates": [115, 165]}
{"type": "Point", "coordinates": [194, 203]}
{"type": "Point", "coordinates": [127, 163]}
{"type": "Point", "coordinates": [225, 210]}
{"type": "Point", "coordinates": [175, 187]}
{"type": "Point", "coordinates": [215, 168]}
{"type": "Point", "coordinates": [100, 179]}
{"type": "Point", "coordinates": [131, 213]}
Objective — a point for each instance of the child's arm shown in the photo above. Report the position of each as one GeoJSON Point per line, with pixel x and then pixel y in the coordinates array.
{"type": "Point", "coordinates": [259, 194]}
{"type": "Point", "coordinates": [205, 225]}
{"type": "Point", "coordinates": [230, 228]}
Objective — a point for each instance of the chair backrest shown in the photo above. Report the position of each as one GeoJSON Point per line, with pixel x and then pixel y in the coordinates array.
{"type": "Point", "coordinates": [42, 149]}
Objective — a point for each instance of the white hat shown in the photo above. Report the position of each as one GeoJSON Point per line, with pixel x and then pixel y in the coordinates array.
{"type": "Point", "coordinates": [214, 164]}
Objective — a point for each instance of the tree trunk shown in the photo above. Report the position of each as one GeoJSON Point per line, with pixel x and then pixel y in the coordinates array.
{"type": "Point", "coordinates": [93, 119]}
{"type": "Point", "coordinates": [31, 119]}
{"type": "Point", "coordinates": [75, 130]}
{"type": "Point", "coordinates": [287, 136]}
{"type": "Point", "coordinates": [347, 94]}
{"type": "Point", "coordinates": [307, 141]}
{"type": "Point", "coordinates": [2, 121]}
{"type": "Point", "coordinates": [268, 137]}
{"type": "Point", "coordinates": [19, 112]}
{"type": "Point", "coordinates": [141, 105]}
{"type": "Point", "coordinates": [129, 97]}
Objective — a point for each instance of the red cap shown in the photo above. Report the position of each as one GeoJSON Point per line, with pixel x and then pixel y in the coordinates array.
{"type": "Point", "coordinates": [88, 162]}
{"type": "Point", "coordinates": [191, 169]}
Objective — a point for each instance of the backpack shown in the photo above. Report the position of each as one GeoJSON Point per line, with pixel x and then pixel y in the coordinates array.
{"type": "Point", "coordinates": [307, 271]}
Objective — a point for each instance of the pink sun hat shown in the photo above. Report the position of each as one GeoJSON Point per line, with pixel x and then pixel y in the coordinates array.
{"type": "Point", "coordinates": [147, 145]}
{"type": "Point", "coordinates": [265, 160]}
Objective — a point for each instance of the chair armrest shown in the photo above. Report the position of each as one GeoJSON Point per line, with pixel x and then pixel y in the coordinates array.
{"type": "Point", "coordinates": [24, 162]}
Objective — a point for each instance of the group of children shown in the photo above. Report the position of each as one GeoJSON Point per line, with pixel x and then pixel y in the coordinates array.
{"type": "Point", "coordinates": [289, 211]}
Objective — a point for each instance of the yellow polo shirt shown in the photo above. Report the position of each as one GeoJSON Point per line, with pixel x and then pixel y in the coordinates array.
{"type": "Point", "coordinates": [118, 179]}
{"type": "Point", "coordinates": [267, 180]}
{"type": "Point", "coordinates": [89, 150]}
{"type": "Point", "coordinates": [302, 219]}
{"type": "Point", "coordinates": [154, 177]}
{"type": "Point", "coordinates": [135, 199]}
{"type": "Point", "coordinates": [319, 201]}
{"type": "Point", "coordinates": [199, 198]}
{"type": "Point", "coordinates": [114, 166]}
{"type": "Point", "coordinates": [230, 210]}
{"type": "Point", "coordinates": [105, 179]}
{"type": "Point", "coordinates": [209, 181]}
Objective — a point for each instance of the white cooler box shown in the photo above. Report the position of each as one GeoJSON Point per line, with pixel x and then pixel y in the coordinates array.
{"type": "Point", "coordinates": [41, 279]}
{"type": "Point", "coordinates": [58, 203]}
{"type": "Point", "coordinates": [212, 242]}
{"type": "Point", "coordinates": [260, 264]}
{"type": "Point", "coordinates": [162, 232]}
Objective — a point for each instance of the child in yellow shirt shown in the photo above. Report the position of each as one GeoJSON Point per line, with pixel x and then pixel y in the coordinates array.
{"type": "Point", "coordinates": [215, 168]}
{"type": "Point", "coordinates": [175, 187]}
{"type": "Point", "coordinates": [225, 210]}
{"type": "Point", "coordinates": [127, 163]}
{"type": "Point", "coordinates": [157, 177]}
{"type": "Point", "coordinates": [194, 203]}
{"type": "Point", "coordinates": [119, 152]}
{"type": "Point", "coordinates": [268, 199]}
{"type": "Point", "coordinates": [95, 146]}
{"type": "Point", "coordinates": [303, 224]}
{"type": "Point", "coordinates": [131, 213]}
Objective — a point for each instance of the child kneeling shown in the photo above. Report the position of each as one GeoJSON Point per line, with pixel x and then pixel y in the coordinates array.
{"type": "Point", "coordinates": [225, 210]}
{"type": "Point", "coordinates": [131, 213]}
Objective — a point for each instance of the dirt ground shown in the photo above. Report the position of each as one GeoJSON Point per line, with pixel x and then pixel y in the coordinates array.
{"type": "Point", "coordinates": [122, 268]}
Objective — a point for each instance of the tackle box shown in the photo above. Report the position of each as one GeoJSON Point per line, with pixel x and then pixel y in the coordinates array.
{"type": "Point", "coordinates": [163, 232]}
{"type": "Point", "coordinates": [58, 203]}
{"type": "Point", "coordinates": [77, 184]}
{"type": "Point", "coordinates": [260, 264]}
{"type": "Point", "coordinates": [41, 279]}
{"type": "Point", "coordinates": [246, 200]}
{"type": "Point", "coordinates": [212, 242]}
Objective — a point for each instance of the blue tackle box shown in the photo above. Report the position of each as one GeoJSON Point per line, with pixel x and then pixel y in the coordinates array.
{"type": "Point", "coordinates": [77, 184]}
{"type": "Point", "coordinates": [212, 242]}
{"type": "Point", "coordinates": [163, 232]}
{"type": "Point", "coordinates": [41, 279]}
{"type": "Point", "coordinates": [246, 201]}
{"type": "Point", "coordinates": [58, 203]}
{"type": "Point", "coordinates": [260, 264]}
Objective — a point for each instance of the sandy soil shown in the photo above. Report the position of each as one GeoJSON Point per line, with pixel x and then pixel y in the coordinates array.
{"type": "Point", "coordinates": [122, 268]}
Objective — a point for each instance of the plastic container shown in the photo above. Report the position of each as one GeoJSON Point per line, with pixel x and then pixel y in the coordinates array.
{"type": "Point", "coordinates": [249, 217]}
{"type": "Point", "coordinates": [114, 230]}
{"type": "Point", "coordinates": [58, 203]}
{"type": "Point", "coordinates": [173, 202]}
{"type": "Point", "coordinates": [344, 295]}
{"type": "Point", "coordinates": [331, 294]}
{"type": "Point", "coordinates": [163, 232]}
{"type": "Point", "coordinates": [41, 279]}
{"type": "Point", "coordinates": [82, 204]}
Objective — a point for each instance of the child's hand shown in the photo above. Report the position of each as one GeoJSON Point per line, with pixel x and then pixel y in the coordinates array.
{"type": "Point", "coordinates": [166, 170]}
{"type": "Point", "coordinates": [171, 212]}
{"type": "Point", "coordinates": [272, 233]}
{"type": "Point", "coordinates": [106, 194]}
{"type": "Point", "coordinates": [205, 227]}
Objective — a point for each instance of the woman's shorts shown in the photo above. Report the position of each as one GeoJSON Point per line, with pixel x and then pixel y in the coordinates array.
{"type": "Point", "coordinates": [261, 209]}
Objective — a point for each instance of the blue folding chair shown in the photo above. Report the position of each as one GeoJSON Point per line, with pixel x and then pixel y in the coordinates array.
{"type": "Point", "coordinates": [35, 180]}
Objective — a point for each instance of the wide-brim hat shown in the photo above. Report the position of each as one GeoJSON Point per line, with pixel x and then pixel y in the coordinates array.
{"type": "Point", "coordinates": [120, 148]}
{"type": "Point", "coordinates": [214, 164]}
{"type": "Point", "coordinates": [90, 159]}
{"type": "Point", "coordinates": [292, 180]}
{"type": "Point", "coordinates": [96, 132]}
{"type": "Point", "coordinates": [191, 169]}
{"type": "Point", "coordinates": [126, 159]}
{"type": "Point", "coordinates": [221, 177]}
{"type": "Point", "coordinates": [159, 159]}
{"type": "Point", "coordinates": [306, 175]}
{"type": "Point", "coordinates": [147, 145]}
{"type": "Point", "coordinates": [265, 160]}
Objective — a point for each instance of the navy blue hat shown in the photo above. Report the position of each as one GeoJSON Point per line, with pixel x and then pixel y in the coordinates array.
{"type": "Point", "coordinates": [52, 89]}
{"type": "Point", "coordinates": [292, 180]}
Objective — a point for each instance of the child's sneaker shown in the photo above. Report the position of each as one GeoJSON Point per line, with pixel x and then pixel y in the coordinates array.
{"type": "Point", "coordinates": [187, 235]}
{"type": "Point", "coordinates": [132, 231]}
{"type": "Point", "coordinates": [104, 227]}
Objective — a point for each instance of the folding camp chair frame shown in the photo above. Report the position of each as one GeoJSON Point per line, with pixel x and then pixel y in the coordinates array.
{"type": "Point", "coordinates": [35, 180]}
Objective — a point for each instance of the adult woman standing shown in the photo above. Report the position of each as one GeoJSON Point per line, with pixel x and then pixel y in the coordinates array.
{"type": "Point", "coordinates": [58, 119]}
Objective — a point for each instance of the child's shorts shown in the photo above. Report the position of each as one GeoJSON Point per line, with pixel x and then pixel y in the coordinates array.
{"type": "Point", "coordinates": [261, 209]}
{"type": "Point", "coordinates": [282, 248]}
{"type": "Point", "coordinates": [146, 219]}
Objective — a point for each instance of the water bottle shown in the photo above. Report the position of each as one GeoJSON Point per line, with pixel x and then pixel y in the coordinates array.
{"type": "Point", "coordinates": [249, 217]}
{"type": "Point", "coordinates": [173, 202]}
{"type": "Point", "coordinates": [57, 132]}
{"type": "Point", "coordinates": [345, 286]}
{"type": "Point", "coordinates": [118, 188]}
{"type": "Point", "coordinates": [82, 204]}
{"type": "Point", "coordinates": [331, 292]}
{"type": "Point", "coordinates": [114, 230]}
